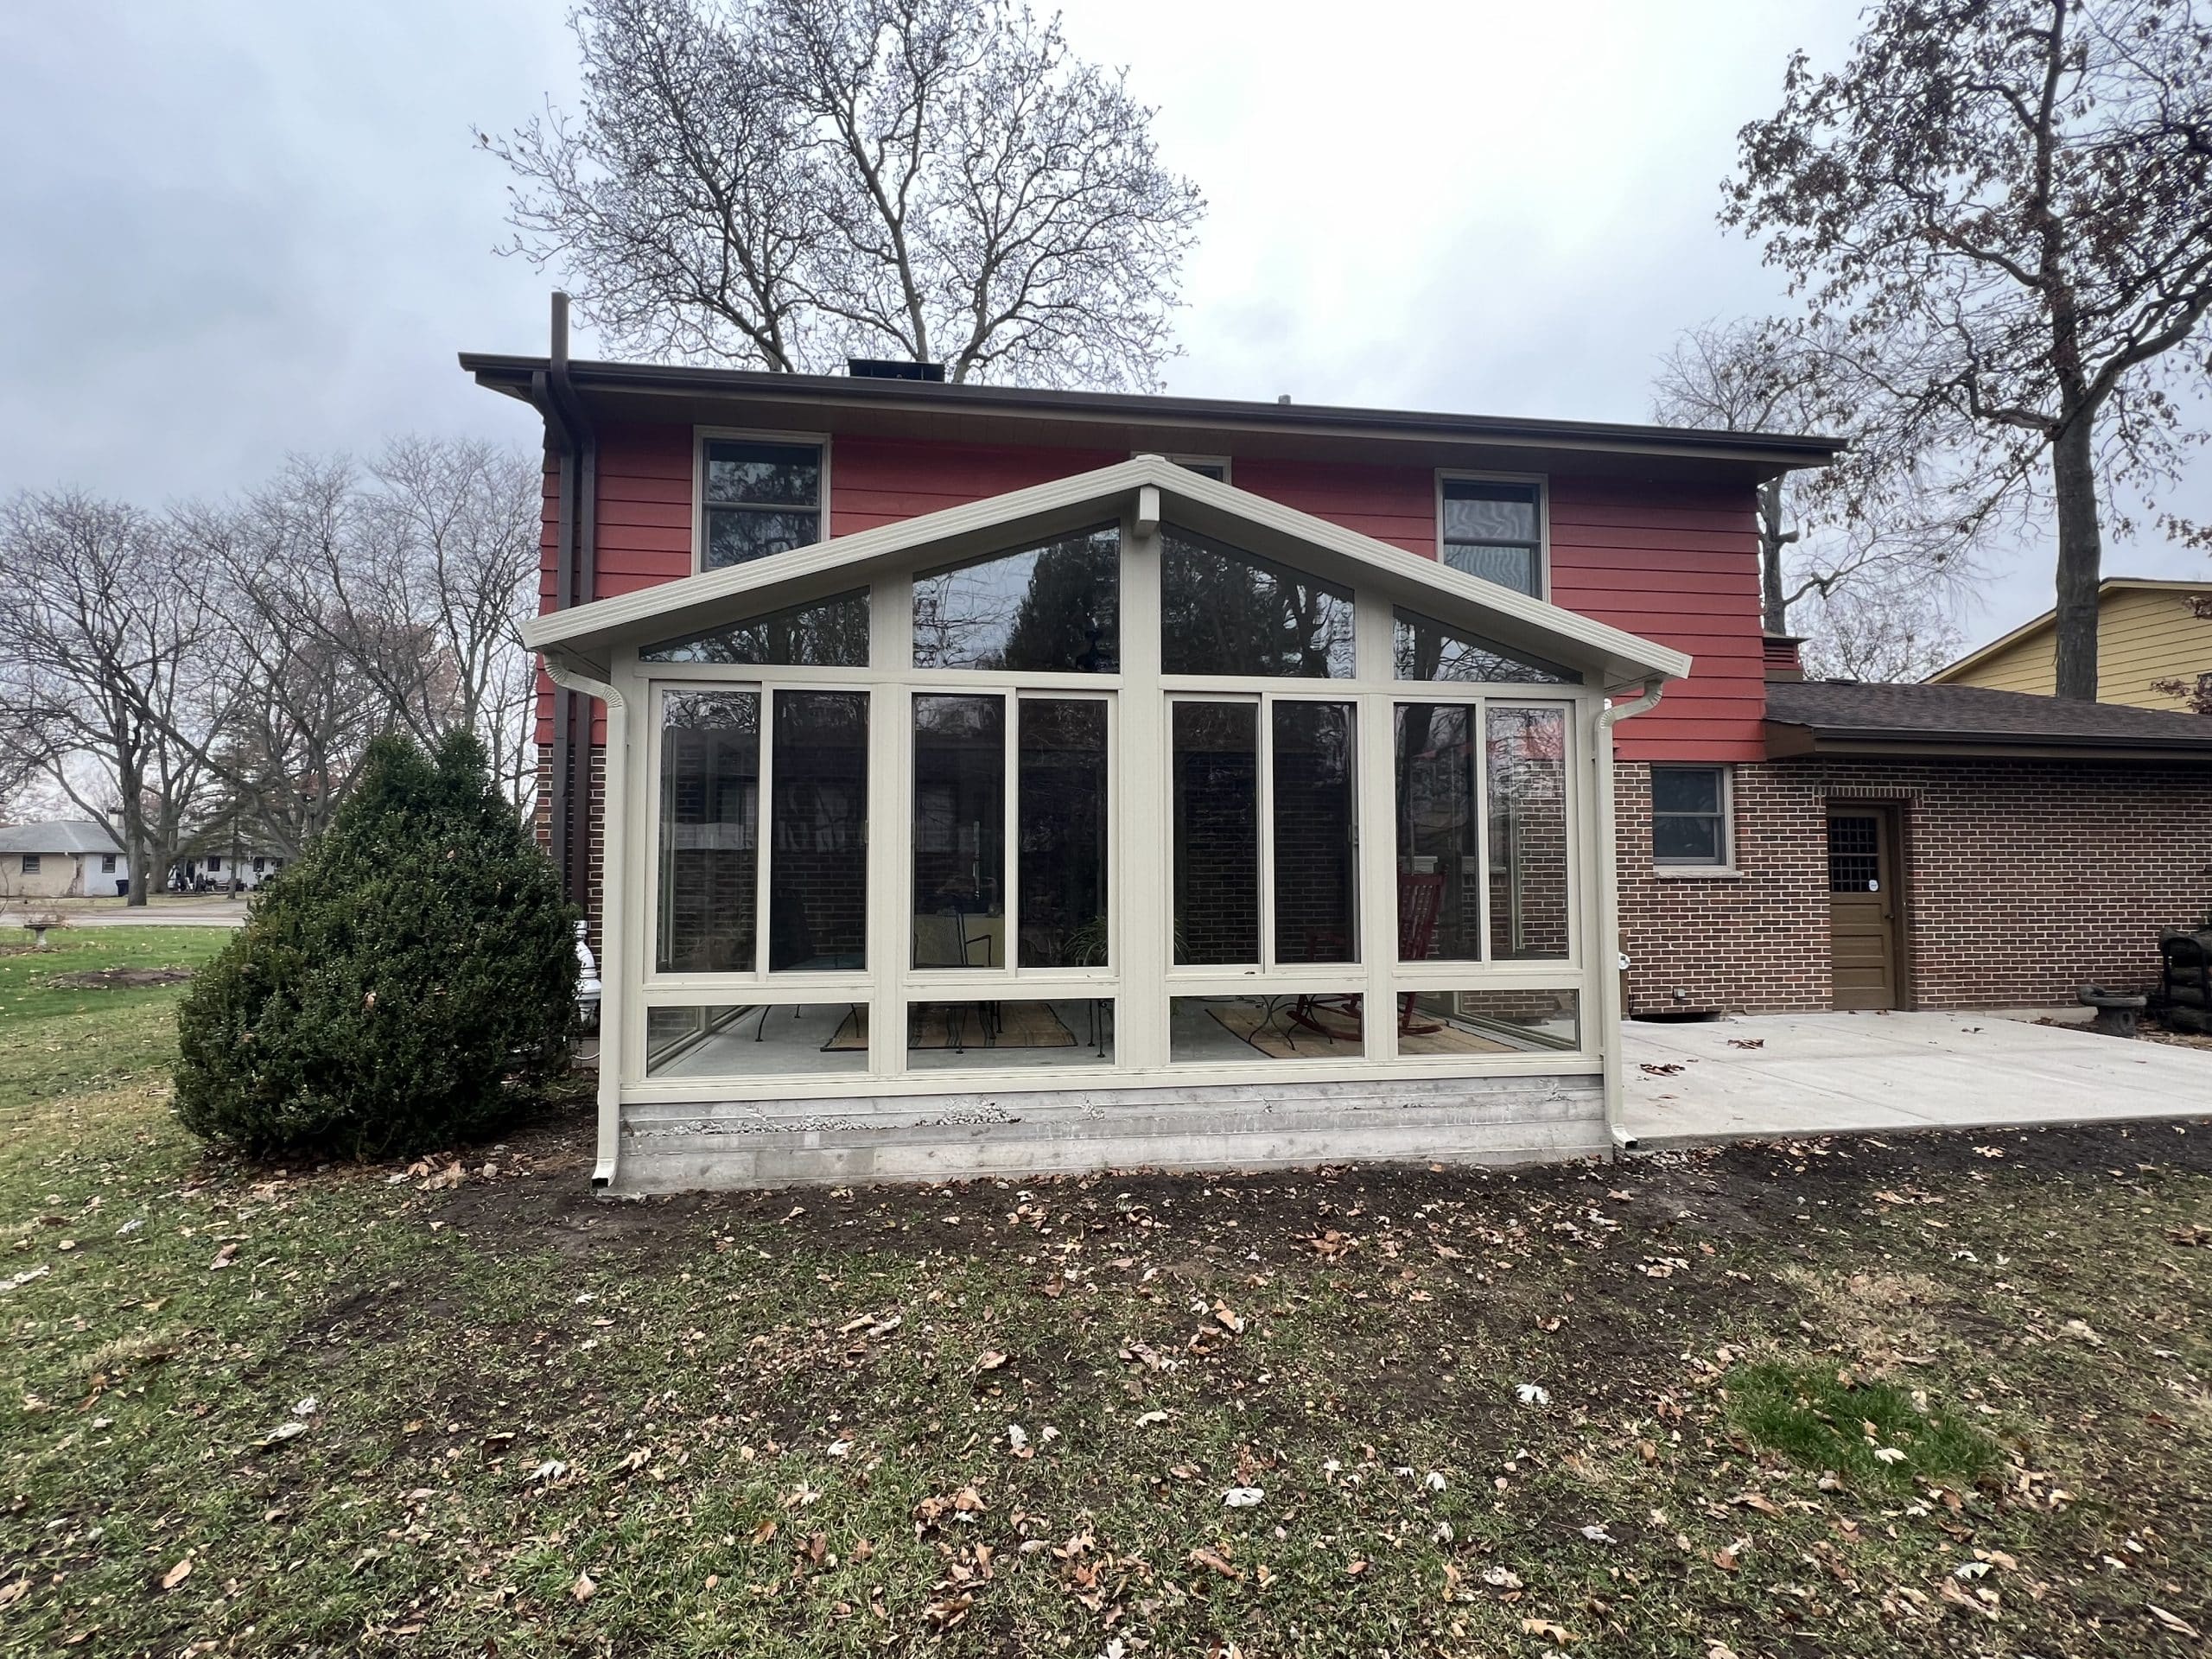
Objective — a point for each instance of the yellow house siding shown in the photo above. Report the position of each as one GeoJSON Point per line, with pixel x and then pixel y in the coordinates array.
{"type": "Point", "coordinates": [2143, 635]}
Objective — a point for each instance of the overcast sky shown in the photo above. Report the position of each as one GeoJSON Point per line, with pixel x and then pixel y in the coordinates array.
{"type": "Point", "coordinates": [229, 231]}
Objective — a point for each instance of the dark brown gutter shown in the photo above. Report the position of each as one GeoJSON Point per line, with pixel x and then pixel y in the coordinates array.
{"type": "Point", "coordinates": [1786, 741]}
{"type": "Point", "coordinates": [575, 445]}
{"type": "Point", "coordinates": [1778, 451]}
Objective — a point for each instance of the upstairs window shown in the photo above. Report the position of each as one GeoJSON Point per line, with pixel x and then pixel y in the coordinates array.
{"type": "Point", "coordinates": [1494, 530]}
{"type": "Point", "coordinates": [760, 499]}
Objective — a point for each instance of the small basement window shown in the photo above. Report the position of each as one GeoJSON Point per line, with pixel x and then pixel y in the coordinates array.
{"type": "Point", "coordinates": [1690, 818]}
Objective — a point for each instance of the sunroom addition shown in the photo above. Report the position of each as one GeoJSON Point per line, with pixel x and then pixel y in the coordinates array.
{"type": "Point", "coordinates": [1131, 819]}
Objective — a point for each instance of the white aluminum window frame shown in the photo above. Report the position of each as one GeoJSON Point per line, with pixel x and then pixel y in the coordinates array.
{"type": "Point", "coordinates": [1543, 488]}
{"type": "Point", "coordinates": [1726, 864]}
{"type": "Point", "coordinates": [703, 436]}
{"type": "Point", "coordinates": [1141, 978]}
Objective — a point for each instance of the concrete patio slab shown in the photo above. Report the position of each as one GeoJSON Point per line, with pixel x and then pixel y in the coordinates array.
{"type": "Point", "coordinates": [1781, 1075]}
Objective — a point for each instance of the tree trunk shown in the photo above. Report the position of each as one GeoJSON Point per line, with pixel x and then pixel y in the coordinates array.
{"type": "Point", "coordinates": [1774, 613]}
{"type": "Point", "coordinates": [2081, 554]}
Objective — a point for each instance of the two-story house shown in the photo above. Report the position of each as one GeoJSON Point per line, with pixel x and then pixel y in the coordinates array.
{"type": "Point", "coordinates": [972, 778]}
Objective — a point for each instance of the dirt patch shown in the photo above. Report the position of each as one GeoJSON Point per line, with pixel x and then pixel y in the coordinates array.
{"type": "Point", "coordinates": [119, 979]}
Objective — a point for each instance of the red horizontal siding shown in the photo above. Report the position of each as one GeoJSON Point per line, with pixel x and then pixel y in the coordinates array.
{"type": "Point", "coordinates": [1676, 564]}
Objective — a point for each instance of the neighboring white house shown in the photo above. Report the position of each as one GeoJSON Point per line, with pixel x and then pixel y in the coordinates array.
{"type": "Point", "coordinates": [241, 868]}
{"type": "Point", "coordinates": [68, 860]}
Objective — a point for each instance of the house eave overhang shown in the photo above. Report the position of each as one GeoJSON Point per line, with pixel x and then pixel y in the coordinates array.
{"type": "Point", "coordinates": [584, 640]}
{"type": "Point", "coordinates": [674, 393]}
{"type": "Point", "coordinates": [1786, 741]}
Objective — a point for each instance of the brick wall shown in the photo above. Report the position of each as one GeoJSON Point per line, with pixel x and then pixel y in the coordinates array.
{"type": "Point", "coordinates": [542, 823]}
{"type": "Point", "coordinates": [2023, 880]}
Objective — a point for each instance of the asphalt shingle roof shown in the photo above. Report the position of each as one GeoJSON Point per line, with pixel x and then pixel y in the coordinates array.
{"type": "Point", "coordinates": [1844, 708]}
{"type": "Point", "coordinates": [70, 835]}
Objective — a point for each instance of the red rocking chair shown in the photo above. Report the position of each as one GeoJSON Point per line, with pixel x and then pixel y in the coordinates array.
{"type": "Point", "coordinates": [1420, 899]}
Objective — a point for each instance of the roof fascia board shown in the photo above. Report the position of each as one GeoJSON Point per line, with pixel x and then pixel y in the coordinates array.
{"type": "Point", "coordinates": [1064, 503]}
{"type": "Point", "coordinates": [1780, 450]}
{"type": "Point", "coordinates": [1786, 741]}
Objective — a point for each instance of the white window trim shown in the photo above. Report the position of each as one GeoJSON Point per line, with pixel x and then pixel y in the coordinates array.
{"type": "Point", "coordinates": [1685, 870]}
{"type": "Point", "coordinates": [1543, 482]}
{"type": "Point", "coordinates": [703, 436]}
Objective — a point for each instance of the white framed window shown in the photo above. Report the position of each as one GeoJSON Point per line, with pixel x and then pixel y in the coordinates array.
{"type": "Point", "coordinates": [30, 863]}
{"type": "Point", "coordinates": [1495, 526]}
{"type": "Point", "coordinates": [757, 493]}
{"type": "Point", "coordinates": [107, 863]}
{"type": "Point", "coordinates": [1692, 817]}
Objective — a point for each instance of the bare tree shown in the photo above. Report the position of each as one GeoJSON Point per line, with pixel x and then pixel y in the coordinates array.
{"type": "Point", "coordinates": [2004, 208]}
{"type": "Point", "coordinates": [104, 630]}
{"type": "Point", "coordinates": [1884, 631]}
{"type": "Point", "coordinates": [363, 601]}
{"type": "Point", "coordinates": [781, 182]}
{"type": "Point", "coordinates": [1883, 518]}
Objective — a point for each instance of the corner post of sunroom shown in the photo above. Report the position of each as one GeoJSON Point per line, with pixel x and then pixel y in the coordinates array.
{"type": "Point", "coordinates": [1144, 907]}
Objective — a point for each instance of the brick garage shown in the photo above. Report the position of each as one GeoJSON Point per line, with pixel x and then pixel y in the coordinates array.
{"type": "Point", "coordinates": [2022, 877]}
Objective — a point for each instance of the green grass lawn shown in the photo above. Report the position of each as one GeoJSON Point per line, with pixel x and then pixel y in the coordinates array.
{"type": "Point", "coordinates": [1938, 1395]}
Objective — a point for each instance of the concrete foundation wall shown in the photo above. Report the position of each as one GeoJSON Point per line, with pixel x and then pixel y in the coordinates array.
{"type": "Point", "coordinates": [669, 1147]}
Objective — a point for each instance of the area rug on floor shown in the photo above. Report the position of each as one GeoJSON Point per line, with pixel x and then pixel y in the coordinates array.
{"type": "Point", "coordinates": [1014, 1025]}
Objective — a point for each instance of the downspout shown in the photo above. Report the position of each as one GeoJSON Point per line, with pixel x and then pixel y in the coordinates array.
{"type": "Point", "coordinates": [1609, 918]}
{"type": "Point", "coordinates": [613, 953]}
{"type": "Point", "coordinates": [577, 525]}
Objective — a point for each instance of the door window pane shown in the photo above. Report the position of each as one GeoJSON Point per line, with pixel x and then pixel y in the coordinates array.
{"type": "Point", "coordinates": [1429, 650]}
{"type": "Point", "coordinates": [827, 633]}
{"type": "Point", "coordinates": [1050, 609]}
{"type": "Point", "coordinates": [1317, 918]}
{"type": "Point", "coordinates": [1225, 612]}
{"type": "Point", "coordinates": [1217, 832]}
{"type": "Point", "coordinates": [959, 832]}
{"type": "Point", "coordinates": [710, 846]}
{"type": "Point", "coordinates": [1062, 815]}
{"type": "Point", "coordinates": [817, 860]}
{"type": "Point", "coordinates": [1440, 868]}
{"type": "Point", "coordinates": [1526, 779]}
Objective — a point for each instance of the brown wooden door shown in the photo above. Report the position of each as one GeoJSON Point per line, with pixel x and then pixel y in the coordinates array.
{"type": "Point", "coordinates": [1863, 950]}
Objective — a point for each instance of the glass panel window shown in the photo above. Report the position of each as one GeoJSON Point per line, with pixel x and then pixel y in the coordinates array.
{"type": "Point", "coordinates": [1525, 781]}
{"type": "Point", "coordinates": [1439, 867]}
{"type": "Point", "coordinates": [1689, 816]}
{"type": "Point", "coordinates": [1226, 611]}
{"type": "Point", "coordinates": [1013, 1032]}
{"type": "Point", "coordinates": [826, 633]}
{"type": "Point", "coordinates": [1429, 650]}
{"type": "Point", "coordinates": [756, 1039]}
{"type": "Point", "coordinates": [1244, 1030]}
{"type": "Point", "coordinates": [1055, 608]}
{"type": "Point", "coordinates": [1494, 531]}
{"type": "Point", "coordinates": [959, 832]}
{"type": "Point", "coordinates": [818, 859]}
{"type": "Point", "coordinates": [1316, 883]}
{"type": "Point", "coordinates": [709, 844]}
{"type": "Point", "coordinates": [1217, 831]}
{"type": "Point", "coordinates": [761, 499]}
{"type": "Point", "coordinates": [1487, 1022]}
{"type": "Point", "coordinates": [1061, 812]}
